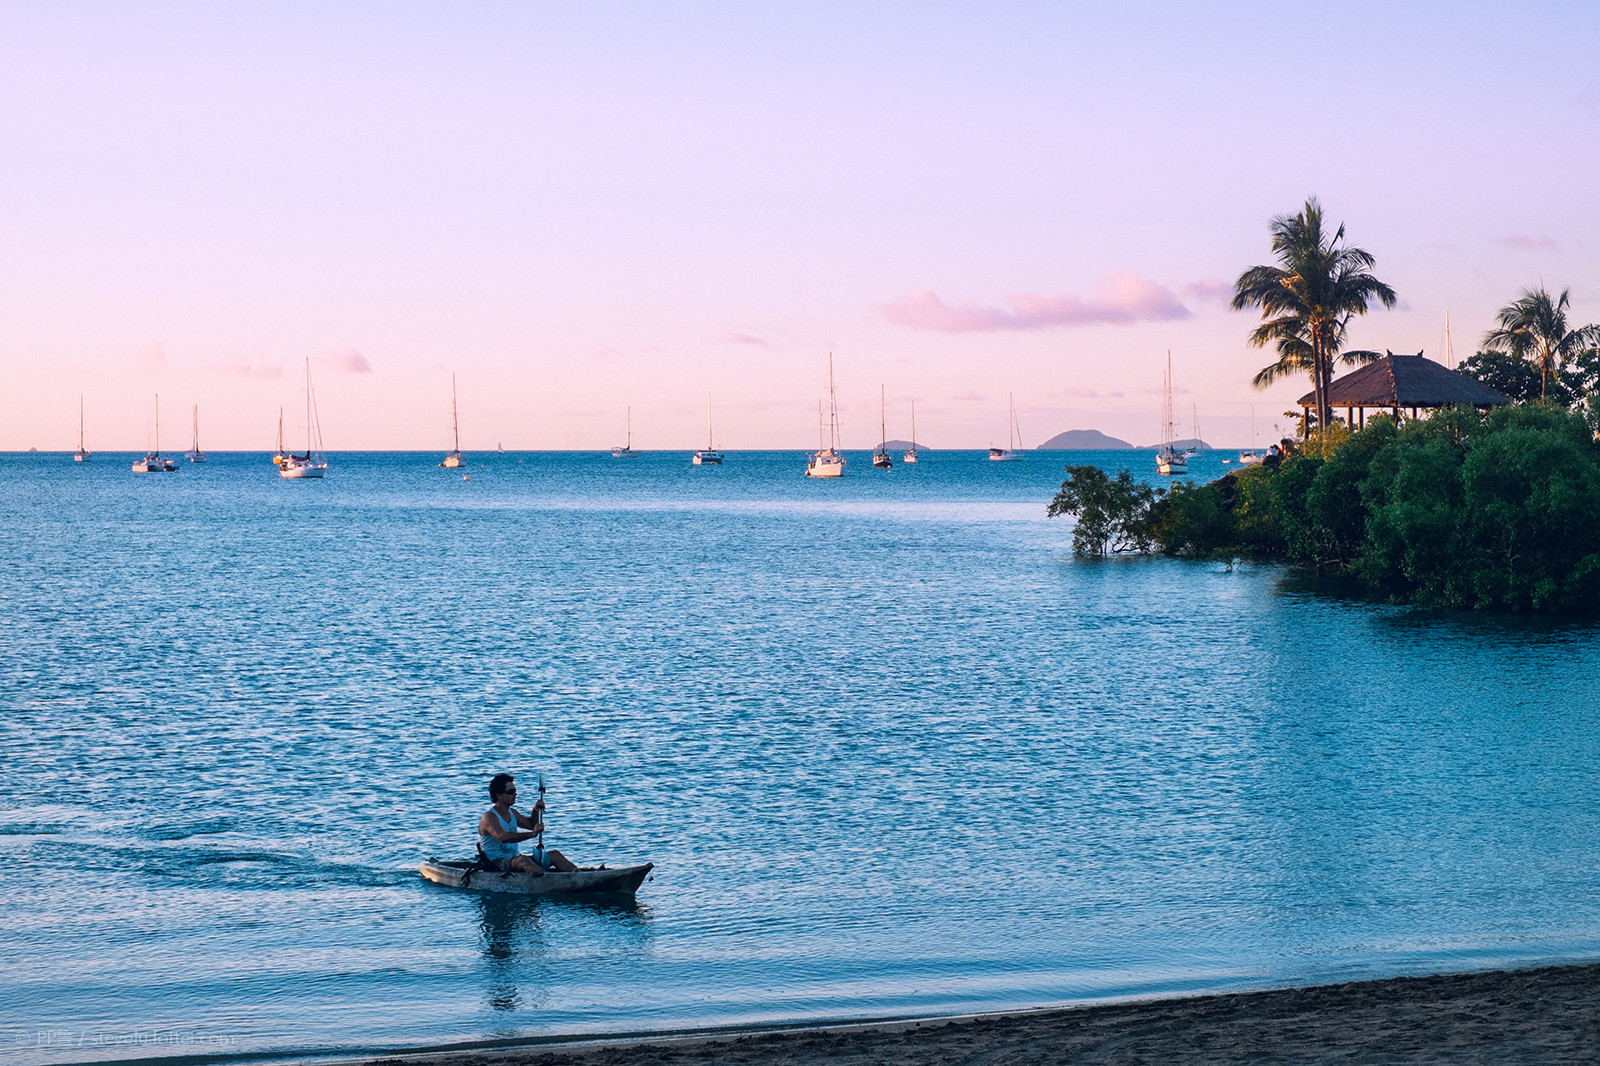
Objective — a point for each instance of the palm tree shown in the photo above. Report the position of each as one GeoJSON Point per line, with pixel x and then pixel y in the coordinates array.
{"type": "Point", "coordinates": [1534, 325]}
{"type": "Point", "coordinates": [1308, 299]}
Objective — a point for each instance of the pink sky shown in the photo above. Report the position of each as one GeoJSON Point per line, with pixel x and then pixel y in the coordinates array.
{"type": "Point", "coordinates": [580, 210]}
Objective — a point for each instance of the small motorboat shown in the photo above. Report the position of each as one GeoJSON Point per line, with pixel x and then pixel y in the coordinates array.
{"type": "Point", "coordinates": [620, 880]}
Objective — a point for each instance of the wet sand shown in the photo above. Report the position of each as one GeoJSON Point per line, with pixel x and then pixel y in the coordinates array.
{"type": "Point", "coordinates": [1546, 1015]}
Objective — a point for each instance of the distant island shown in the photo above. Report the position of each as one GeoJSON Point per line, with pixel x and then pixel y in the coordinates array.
{"type": "Point", "coordinates": [900, 446]}
{"type": "Point", "coordinates": [1083, 440]}
{"type": "Point", "coordinates": [1191, 444]}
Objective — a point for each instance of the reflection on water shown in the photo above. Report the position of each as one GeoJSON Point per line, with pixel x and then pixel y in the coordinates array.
{"type": "Point", "coordinates": [513, 929]}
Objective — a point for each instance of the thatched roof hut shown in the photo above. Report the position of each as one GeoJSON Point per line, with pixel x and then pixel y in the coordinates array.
{"type": "Point", "coordinates": [1398, 383]}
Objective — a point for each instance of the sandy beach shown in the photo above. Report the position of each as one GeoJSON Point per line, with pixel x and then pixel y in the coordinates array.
{"type": "Point", "coordinates": [1545, 1015]}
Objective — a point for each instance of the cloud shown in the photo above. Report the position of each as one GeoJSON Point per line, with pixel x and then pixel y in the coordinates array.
{"type": "Point", "coordinates": [1123, 297]}
{"type": "Point", "coordinates": [745, 338]}
{"type": "Point", "coordinates": [244, 368]}
{"type": "Point", "coordinates": [343, 361]}
{"type": "Point", "coordinates": [1523, 243]}
{"type": "Point", "coordinates": [970, 397]}
{"type": "Point", "coordinates": [151, 359]}
{"type": "Point", "coordinates": [1208, 291]}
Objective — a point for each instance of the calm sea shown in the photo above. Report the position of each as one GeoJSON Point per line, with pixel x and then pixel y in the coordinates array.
{"type": "Point", "coordinates": [893, 750]}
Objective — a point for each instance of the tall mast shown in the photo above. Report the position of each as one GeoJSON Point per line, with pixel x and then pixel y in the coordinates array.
{"type": "Point", "coordinates": [629, 445]}
{"type": "Point", "coordinates": [711, 441]}
{"type": "Point", "coordinates": [455, 417]}
{"type": "Point", "coordinates": [308, 407]}
{"type": "Point", "coordinates": [197, 427]}
{"type": "Point", "coordinates": [80, 421]}
{"type": "Point", "coordinates": [158, 423]}
{"type": "Point", "coordinates": [913, 425]}
{"type": "Point", "coordinates": [1011, 427]}
{"type": "Point", "coordinates": [1166, 408]}
{"type": "Point", "coordinates": [833, 409]}
{"type": "Point", "coordinates": [883, 421]}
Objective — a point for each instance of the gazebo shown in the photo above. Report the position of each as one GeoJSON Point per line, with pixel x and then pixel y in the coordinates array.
{"type": "Point", "coordinates": [1398, 383]}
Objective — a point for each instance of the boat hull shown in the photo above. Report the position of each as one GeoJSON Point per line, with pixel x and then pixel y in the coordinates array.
{"type": "Point", "coordinates": [707, 459]}
{"type": "Point", "coordinates": [624, 880]}
{"type": "Point", "coordinates": [300, 470]}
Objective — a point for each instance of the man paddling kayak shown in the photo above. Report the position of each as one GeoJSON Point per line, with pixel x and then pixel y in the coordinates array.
{"type": "Point", "coordinates": [499, 839]}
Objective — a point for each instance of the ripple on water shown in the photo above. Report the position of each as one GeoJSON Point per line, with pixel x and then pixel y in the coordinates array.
{"type": "Point", "coordinates": [892, 749]}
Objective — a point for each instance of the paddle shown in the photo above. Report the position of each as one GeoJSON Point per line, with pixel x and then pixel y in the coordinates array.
{"type": "Point", "coordinates": [541, 813]}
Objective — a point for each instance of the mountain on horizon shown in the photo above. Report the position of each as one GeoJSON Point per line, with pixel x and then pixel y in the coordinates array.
{"type": "Point", "coordinates": [1083, 440]}
{"type": "Point", "coordinates": [900, 446]}
{"type": "Point", "coordinates": [1183, 445]}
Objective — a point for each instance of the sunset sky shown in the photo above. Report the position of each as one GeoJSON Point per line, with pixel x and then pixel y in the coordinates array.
{"type": "Point", "coordinates": [581, 208]}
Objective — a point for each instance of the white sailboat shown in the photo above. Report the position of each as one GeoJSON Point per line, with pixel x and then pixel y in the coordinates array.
{"type": "Point", "coordinates": [1169, 460]}
{"type": "Point", "coordinates": [311, 464]}
{"type": "Point", "coordinates": [708, 456]}
{"type": "Point", "coordinates": [281, 454]}
{"type": "Point", "coordinates": [625, 451]}
{"type": "Point", "coordinates": [195, 455]}
{"type": "Point", "coordinates": [911, 453]}
{"type": "Point", "coordinates": [153, 462]}
{"type": "Point", "coordinates": [82, 454]}
{"type": "Point", "coordinates": [1010, 453]}
{"type": "Point", "coordinates": [454, 459]}
{"type": "Point", "coordinates": [880, 458]}
{"type": "Point", "coordinates": [827, 460]}
{"type": "Point", "coordinates": [1252, 456]}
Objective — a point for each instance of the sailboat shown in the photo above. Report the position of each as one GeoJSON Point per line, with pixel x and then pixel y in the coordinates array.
{"type": "Point", "coordinates": [311, 464]}
{"type": "Point", "coordinates": [280, 455]}
{"type": "Point", "coordinates": [880, 458]}
{"type": "Point", "coordinates": [1169, 460]}
{"type": "Point", "coordinates": [152, 461]}
{"type": "Point", "coordinates": [195, 454]}
{"type": "Point", "coordinates": [82, 454]}
{"type": "Point", "coordinates": [827, 461]}
{"type": "Point", "coordinates": [626, 451]}
{"type": "Point", "coordinates": [911, 453]}
{"type": "Point", "coordinates": [707, 456]}
{"type": "Point", "coordinates": [454, 459]}
{"type": "Point", "coordinates": [1009, 454]}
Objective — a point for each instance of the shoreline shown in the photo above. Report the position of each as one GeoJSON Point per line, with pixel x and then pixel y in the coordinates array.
{"type": "Point", "coordinates": [1546, 1014]}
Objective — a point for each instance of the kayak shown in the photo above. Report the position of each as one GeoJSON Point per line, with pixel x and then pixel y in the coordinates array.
{"type": "Point", "coordinates": [616, 881]}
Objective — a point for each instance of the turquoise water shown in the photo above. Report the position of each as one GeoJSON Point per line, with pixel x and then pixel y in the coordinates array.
{"type": "Point", "coordinates": [893, 751]}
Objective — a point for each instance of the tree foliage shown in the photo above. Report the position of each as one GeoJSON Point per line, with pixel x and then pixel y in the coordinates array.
{"type": "Point", "coordinates": [1308, 299]}
{"type": "Point", "coordinates": [1460, 510]}
{"type": "Point", "coordinates": [1112, 512]}
{"type": "Point", "coordinates": [1534, 327]}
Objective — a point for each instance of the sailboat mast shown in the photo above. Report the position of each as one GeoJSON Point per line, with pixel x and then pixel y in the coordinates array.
{"type": "Point", "coordinates": [833, 409]}
{"type": "Point", "coordinates": [158, 423]}
{"type": "Point", "coordinates": [711, 441]}
{"type": "Point", "coordinates": [196, 427]}
{"type": "Point", "coordinates": [883, 421]}
{"type": "Point", "coordinates": [80, 422]}
{"type": "Point", "coordinates": [629, 445]}
{"type": "Point", "coordinates": [308, 407]}
{"type": "Point", "coordinates": [455, 416]}
{"type": "Point", "coordinates": [1011, 427]}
